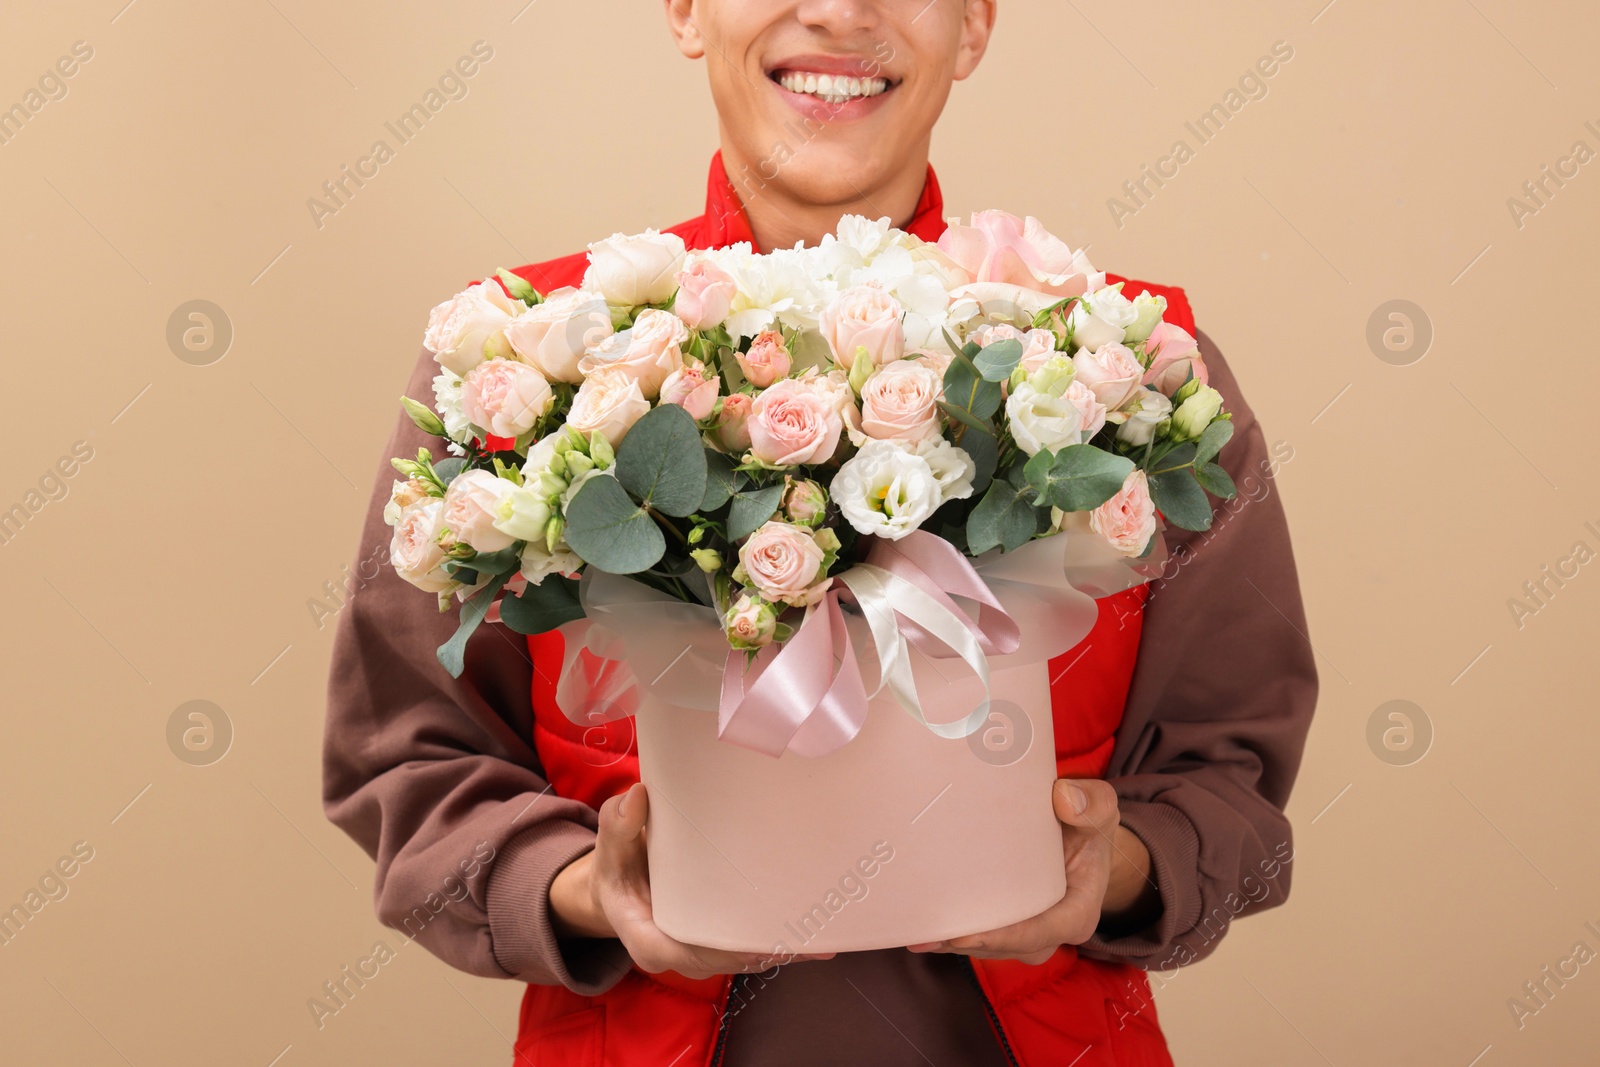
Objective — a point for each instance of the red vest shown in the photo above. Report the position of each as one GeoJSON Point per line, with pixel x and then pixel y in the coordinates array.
{"type": "Point", "coordinates": [1070, 1009]}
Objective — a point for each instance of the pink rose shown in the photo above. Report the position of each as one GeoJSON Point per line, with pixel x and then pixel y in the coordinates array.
{"type": "Point", "coordinates": [705, 293]}
{"type": "Point", "coordinates": [1037, 345]}
{"type": "Point", "coordinates": [733, 423]}
{"type": "Point", "coordinates": [690, 389]}
{"type": "Point", "coordinates": [999, 247]}
{"type": "Point", "coordinates": [471, 505]}
{"type": "Point", "coordinates": [784, 563]}
{"type": "Point", "coordinates": [864, 317]}
{"type": "Point", "coordinates": [938, 361]}
{"type": "Point", "coordinates": [1128, 519]}
{"type": "Point", "coordinates": [415, 552]}
{"type": "Point", "coordinates": [793, 423]}
{"type": "Point", "coordinates": [552, 336]}
{"type": "Point", "coordinates": [504, 397]}
{"type": "Point", "coordinates": [1175, 354]}
{"type": "Point", "coordinates": [647, 352]}
{"type": "Point", "coordinates": [767, 361]}
{"type": "Point", "coordinates": [900, 402]}
{"type": "Point", "coordinates": [608, 403]}
{"type": "Point", "coordinates": [1112, 371]}
{"type": "Point", "coordinates": [834, 387]}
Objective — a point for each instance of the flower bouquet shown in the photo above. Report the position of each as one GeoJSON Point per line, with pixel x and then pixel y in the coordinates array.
{"type": "Point", "coordinates": [827, 505]}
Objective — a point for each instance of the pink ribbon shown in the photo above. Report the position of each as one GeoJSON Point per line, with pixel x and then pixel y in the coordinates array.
{"type": "Point", "coordinates": [807, 695]}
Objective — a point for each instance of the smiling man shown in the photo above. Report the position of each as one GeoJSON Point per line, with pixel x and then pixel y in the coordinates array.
{"type": "Point", "coordinates": [1178, 721]}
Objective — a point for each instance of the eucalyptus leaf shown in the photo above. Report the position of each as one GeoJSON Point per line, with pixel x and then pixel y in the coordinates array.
{"type": "Point", "coordinates": [507, 559]}
{"type": "Point", "coordinates": [985, 452]}
{"type": "Point", "coordinates": [996, 361]}
{"type": "Point", "coordinates": [1005, 516]}
{"type": "Point", "coordinates": [448, 468]}
{"type": "Point", "coordinates": [752, 508]}
{"type": "Point", "coordinates": [608, 530]}
{"type": "Point", "coordinates": [661, 462]}
{"type": "Point", "coordinates": [1211, 441]}
{"type": "Point", "coordinates": [965, 388]}
{"type": "Point", "coordinates": [965, 417]}
{"type": "Point", "coordinates": [452, 654]}
{"type": "Point", "coordinates": [1181, 499]}
{"type": "Point", "coordinates": [722, 481]}
{"type": "Point", "coordinates": [1216, 481]}
{"type": "Point", "coordinates": [542, 607]}
{"type": "Point", "coordinates": [1077, 478]}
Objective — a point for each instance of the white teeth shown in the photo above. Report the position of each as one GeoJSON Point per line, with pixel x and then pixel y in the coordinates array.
{"type": "Point", "coordinates": [833, 88]}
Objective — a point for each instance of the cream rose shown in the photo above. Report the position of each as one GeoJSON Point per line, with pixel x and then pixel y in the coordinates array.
{"type": "Point", "coordinates": [504, 397]}
{"type": "Point", "coordinates": [864, 317]}
{"type": "Point", "coordinates": [784, 564]}
{"type": "Point", "coordinates": [1128, 520]}
{"type": "Point", "coordinates": [607, 403]}
{"type": "Point", "coordinates": [647, 352]}
{"type": "Point", "coordinates": [471, 506]}
{"type": "Point", "coordinates": [414, 550]}
{"type": "Point", "coordinates": [900, 402]}
{"type": "Point", "coordinates": [1111, 371]}
{"type": "Point", "coordinates": [464, 330]}
{"type": "Point", "coordinates": [552, 336]}
{"type": "Point", "coordinates": [792, 423]}
{"type": "Point", "coordinates": [638, 269]}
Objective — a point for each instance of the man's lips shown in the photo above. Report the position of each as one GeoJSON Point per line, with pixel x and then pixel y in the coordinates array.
{"type": "Point", "coordinates": [832, 87]}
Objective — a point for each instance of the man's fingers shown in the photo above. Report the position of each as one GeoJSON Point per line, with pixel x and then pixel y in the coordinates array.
{"type": "Point", "coordinates": [1086, 802]}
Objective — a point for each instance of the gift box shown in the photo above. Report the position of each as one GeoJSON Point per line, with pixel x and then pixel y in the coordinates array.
{"type": "Point", "coordinates": [925, 815]}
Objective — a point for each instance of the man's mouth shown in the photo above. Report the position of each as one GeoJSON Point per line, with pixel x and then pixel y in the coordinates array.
{"type": "Point", "coordinates": [830, 88]}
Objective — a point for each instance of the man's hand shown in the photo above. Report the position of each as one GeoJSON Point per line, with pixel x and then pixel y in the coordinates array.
{"type": "Point", "coordinates": [606, 893]}
{"type": "Point", "coordinates": [1108, 877]}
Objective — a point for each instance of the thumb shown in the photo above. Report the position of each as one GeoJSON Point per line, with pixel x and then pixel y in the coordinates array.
{"type": "Point", "coordinates": [1084, 801]}
{"type": "Point", "coordinates": [622, 818]}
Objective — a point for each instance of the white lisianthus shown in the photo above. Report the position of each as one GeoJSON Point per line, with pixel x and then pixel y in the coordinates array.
{"type": "Point", "coordinates": [538, 562]}
{"type": "Point", "coordinates": [447, 402]}
{"type": "Point", "coordinates": [470, 326]}
{"type": "Point", "coordinates": [953, 468]}
{"type": "Point", "coordinates": [1196, 413]}
{"type": "Point", "coordinates": [886, 490]}
{"type": "Point", "coordinates": [638, 269]}
{"type": "Point", "coordinates": [524, 513]}
{"type": "Point", "coordinates": [1144, 415]}
{"type": "Point", "coordinates": [1040, 421]}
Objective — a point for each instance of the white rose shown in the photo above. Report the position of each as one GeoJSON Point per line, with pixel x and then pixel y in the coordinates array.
{"type": "Point", "coordinates": [462, 327]}
{"type": "Point", "coordinates": [1145, 411]}
{"type": "Point", "coordinates": [609, 404]}
{"type": "Point", "coordinates": [553, 335]}
{"type": "Point", "coordinates": [1040, 421]}
{"type": "Point", "coordinates": [1102, 318]}
{"type": "Point", "coordinates": [886, 490]}
{"type": "Point", "coordinates": [471, 505]}
{"type": "Point", "coordinates": [641, 269]}
{"type": "Point", "coordinates": [1112, 371]}
{"type": "Point", "coordinates": [414, 551]}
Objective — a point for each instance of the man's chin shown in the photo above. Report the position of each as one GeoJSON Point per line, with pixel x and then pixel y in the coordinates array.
{"type": "Point", "coordinates": [838, 172]}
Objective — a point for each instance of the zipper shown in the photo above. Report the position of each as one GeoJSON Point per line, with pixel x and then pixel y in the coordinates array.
{"type": "Point", "coordinates": [988, 1006]}
{"type": "Point", "coordinates": [720, 1047]}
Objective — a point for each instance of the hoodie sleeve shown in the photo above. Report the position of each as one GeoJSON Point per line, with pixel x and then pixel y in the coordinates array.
{"type": "Point", "coordinates": [1218, 710]}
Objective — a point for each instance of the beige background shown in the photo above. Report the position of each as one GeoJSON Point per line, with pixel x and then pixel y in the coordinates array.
{"type": "Point", "coordinates": [220, 498]}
